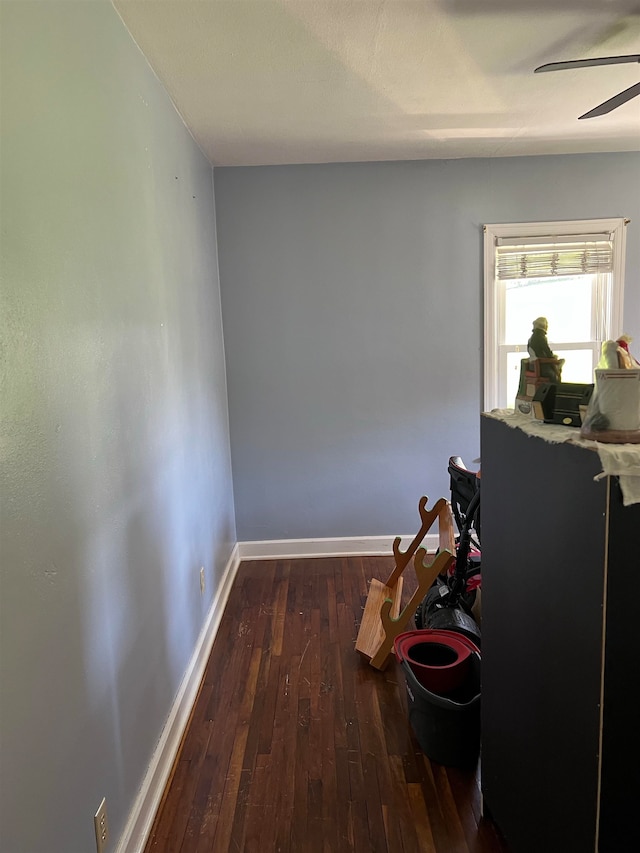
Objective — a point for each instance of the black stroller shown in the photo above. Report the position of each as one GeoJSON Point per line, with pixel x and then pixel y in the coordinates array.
{"type": "Point", "coordinates": [448, 604]}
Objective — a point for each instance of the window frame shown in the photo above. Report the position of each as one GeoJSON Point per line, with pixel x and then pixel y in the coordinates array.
{"type": "Point", "coordinates": [494, 298]}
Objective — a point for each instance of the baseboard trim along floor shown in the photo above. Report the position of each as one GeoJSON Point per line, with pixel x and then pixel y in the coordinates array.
{"type": "Point", "coordinates": [141, 817]}
{"type": "Point", "coordinates": [290, 549]}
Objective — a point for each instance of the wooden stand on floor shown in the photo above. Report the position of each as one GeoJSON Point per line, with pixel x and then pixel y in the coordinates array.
{"type": "Point", "coordinates": [382, 620]}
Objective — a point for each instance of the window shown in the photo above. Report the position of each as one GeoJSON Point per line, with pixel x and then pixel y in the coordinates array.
{"type": "Point", "coordinates": [572, 273]}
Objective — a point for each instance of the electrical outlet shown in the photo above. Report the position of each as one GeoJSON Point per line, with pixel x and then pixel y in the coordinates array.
{"type": "Point", "coordinates": [101, 827]}
{"type": "Point", "coordinates": [202, 580]}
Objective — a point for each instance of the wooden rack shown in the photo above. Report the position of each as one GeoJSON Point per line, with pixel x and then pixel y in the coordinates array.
{"type": "Point", "coordinates": [382, 619]}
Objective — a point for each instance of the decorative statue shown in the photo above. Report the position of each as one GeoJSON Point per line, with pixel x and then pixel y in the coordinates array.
{"type": "Point", "coordinates": [538, 346]}
{"type": "Point", "coordinates": [625, 359]}
{"type": "Point", "coordinates": [615, 355]}
{"type": "Point", "coordinates": [609, 356]}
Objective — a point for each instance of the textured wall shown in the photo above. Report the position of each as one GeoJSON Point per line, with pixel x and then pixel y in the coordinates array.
{"type": "Point", "coordinates": [352, 304]}
{"type": "Point", "coordinates": [114, 437]}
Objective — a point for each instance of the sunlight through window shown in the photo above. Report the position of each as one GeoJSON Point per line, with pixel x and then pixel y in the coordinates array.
{"type": "Point", "coordinates": [569, 272]}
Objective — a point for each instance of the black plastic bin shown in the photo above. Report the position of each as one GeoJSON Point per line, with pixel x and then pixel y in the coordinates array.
{"type": "Point", "coordinates": [447, 727]}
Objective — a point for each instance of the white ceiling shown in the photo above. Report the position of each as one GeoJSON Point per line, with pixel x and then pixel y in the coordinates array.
{"type": "Point", "coordinates": [314, 81]}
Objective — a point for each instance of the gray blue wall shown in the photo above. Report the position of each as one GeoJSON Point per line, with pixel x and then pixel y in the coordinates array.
{"type": "Point", "coordinates": [353, 327]}
{"type": "Point", "coordinates": [114, 439]}
{"type": "Point", "coordinates": [352, 306]}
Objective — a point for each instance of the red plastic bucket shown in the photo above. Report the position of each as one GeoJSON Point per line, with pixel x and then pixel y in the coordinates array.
{"type": "Point", "coordinates": [440, 660]}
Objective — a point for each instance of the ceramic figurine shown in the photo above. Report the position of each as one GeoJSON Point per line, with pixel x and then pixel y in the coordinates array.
{"type": "Point", "coordinates": [539, 348]}
{"type": "Point", "coordinates": [615, 355]}
{"type": "Point", "coordinates": [625, 358]}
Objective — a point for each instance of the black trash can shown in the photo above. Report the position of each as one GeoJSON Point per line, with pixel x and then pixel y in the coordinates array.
{"type": "Point", "coordinates": [447, 727]}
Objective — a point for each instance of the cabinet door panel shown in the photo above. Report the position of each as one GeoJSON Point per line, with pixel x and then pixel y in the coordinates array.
{"type": "Point", "coordinates": [621, 745]}
{"type": "Point", "coordinates": [543, 554]}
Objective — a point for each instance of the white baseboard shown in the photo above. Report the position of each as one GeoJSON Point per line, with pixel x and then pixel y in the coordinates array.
{"type": "Point", "coordinates": [289, 549]}
{"type": "Point", "coordinates": [141, 817]}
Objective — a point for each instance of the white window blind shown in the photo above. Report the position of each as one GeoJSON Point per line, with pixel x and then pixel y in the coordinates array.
{"type": "Point", "coordinates": [539, 257]}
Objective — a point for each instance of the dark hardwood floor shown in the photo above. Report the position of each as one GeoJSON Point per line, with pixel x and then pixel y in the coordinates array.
{"type": "Point", "coordinates": [296, 744]}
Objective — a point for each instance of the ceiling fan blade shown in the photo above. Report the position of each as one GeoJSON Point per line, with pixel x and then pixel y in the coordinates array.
{"type": "Point", "coordinates": [612, 103]}
{"type": "Point", "coordinates": [587, 63]}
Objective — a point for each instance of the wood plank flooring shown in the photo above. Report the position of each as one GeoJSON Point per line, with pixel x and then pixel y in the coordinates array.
{"type": "Point", "coordinates": [296, 744]}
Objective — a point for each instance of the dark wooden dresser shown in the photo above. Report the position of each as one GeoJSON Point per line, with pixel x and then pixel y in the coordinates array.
{"type": "Point", "coordinates": [560, 647]}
